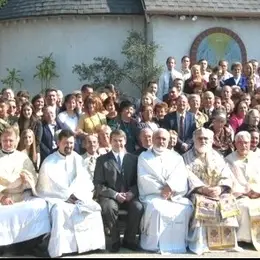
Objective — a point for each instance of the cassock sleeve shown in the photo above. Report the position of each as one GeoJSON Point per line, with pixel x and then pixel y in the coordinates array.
{"type": "Point", "coordinates": [100, 181]}
{"type": "Point", "coordinates": [178, 178]}
{"type": "Point", "coordinates": [43, 180]}
{"type": "Point", "coordinates": [29, 171]}
{"type": "Point", "coordinates": [147, 184]}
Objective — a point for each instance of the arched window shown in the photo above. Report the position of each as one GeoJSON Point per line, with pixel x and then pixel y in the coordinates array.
{"type": "Point", "coordinates": [218, 44]}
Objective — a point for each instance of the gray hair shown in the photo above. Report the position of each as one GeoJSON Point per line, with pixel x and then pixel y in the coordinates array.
{"type": "Point", "coordinates": [243, 135]}
{"type": "Point", "coordinates": [146, 129]}
{"type": "Point", "coordinates": [191, 96]}
{"type": "Point", "coordinates": [161, 130]}
{"type": "Point", "coordinates": [208, 93]}
{"type": "Point", "coordinates": [249, 114]}
{"type": "Point", "coordinates": [204, 130]}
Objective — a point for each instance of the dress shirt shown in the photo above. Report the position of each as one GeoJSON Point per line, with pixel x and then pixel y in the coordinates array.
{"type": "Point", "coordinates": [163, 87]}
{"type": "Point", "coordinates": [52, 129]}
{"type": "Point", "coordinates": [237, 80]}
{"type": "Point", "coordinates": [121, 155]}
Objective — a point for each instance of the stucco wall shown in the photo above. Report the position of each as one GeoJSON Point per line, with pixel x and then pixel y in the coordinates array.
{"type": "Point", "coordinates": [80, 39]}
{"type": "Point", "coordinates": [72, 41]}
{"type": "Point", "coordinates": [176, 36]}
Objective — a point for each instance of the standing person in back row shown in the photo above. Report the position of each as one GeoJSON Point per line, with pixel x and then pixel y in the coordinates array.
{"type": "Point", "coordinates": [115, 180]}
{"type": "Point", "coordinates": [183, 122]}
{"type": "Point", "coordinates": [167, 78]}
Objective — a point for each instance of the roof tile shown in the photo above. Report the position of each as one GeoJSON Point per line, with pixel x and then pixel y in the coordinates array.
{"type": "Point", "coordinates": [219, 7]}
{"type": "Point", "coordinates": [25, 8]}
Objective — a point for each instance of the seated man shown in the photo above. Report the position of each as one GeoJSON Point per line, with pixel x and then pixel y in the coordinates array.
{"type": "Point", "coordinates": [76, 218]}
{"type": "Point", "coordinates": [246, 188]}
{"type": "Point", "coordinates": [115, 181]}
{"type": "Point", "coordinates": [162, 183]}
{"type": "Point", "coordinates": [214, 222]}
{"type": "Point", "coordinates": [22, 216]}
{"type": "Point", "coordinates": [91, 154]}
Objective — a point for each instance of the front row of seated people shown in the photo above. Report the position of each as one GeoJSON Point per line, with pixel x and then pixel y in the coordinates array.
{"type": "Point", "coordinates": [200, 201]}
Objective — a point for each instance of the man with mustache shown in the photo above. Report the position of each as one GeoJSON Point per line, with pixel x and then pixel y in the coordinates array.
{"type": "Point", "coordinates": [67, 187]}
{"type": "Point", "coordinates": [162, 183]}
{"type": "Point", "coordinates": [214, 222]}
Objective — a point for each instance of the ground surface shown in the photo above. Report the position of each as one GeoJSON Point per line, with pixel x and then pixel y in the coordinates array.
{"type": "Point", "coordinates": [249, 252]}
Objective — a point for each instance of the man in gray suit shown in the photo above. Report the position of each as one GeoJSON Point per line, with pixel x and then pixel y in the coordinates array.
{"type": "Point", "coordinates": [115, 180]}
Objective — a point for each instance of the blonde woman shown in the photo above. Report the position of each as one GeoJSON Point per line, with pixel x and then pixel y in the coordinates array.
{"type": "Point", "coordinates": [195, 79]}
{"type": "Point", "coordinates": [27, 145]}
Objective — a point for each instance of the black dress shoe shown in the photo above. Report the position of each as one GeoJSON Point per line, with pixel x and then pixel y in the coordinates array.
{"type": "Point", "coordinates": [131, 246]}
{"type": "Point", "coordinates": [114, 247]}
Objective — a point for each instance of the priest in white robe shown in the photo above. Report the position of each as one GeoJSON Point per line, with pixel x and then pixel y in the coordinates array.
{"type": "Point", "coordinates": [162, 184]}
{"type": "Point", "coordinates": [246, 188]}
{"type": "Point", "coordinates": [23, 217]}
{"type": "Point", "coordinates": [214, 221]}
{"type": "Point", "coordinates": [75, 217]}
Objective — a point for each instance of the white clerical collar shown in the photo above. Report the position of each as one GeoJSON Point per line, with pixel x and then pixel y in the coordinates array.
{"type": "Point", "coordinates": [64, 156]}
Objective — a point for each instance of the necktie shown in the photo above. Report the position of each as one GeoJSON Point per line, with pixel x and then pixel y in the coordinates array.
{"type": "Point", "coordinates": [170, 80]}
{"type": "Point", "coordinates": [181, 133]}
{"type": "Point", "coordinates": [119, 161]}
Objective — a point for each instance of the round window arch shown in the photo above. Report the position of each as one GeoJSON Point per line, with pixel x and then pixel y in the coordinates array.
{"type": "Point", "coordinates": [217, 44]}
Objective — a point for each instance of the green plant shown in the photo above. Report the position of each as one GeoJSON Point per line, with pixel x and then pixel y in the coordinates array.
{"type": "Point", "coordinates": [3, 3]}
{"type": "Point", "coordinates": [138, 68]}
{"type": "Point", "coordinates": [12, 78]}
{"type": "Point", "coordinates": [46, 71]}
{"type": "Point", "coordinates": [102, 72]}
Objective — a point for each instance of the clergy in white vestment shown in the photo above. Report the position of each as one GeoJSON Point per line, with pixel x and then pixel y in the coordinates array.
{"type": "Point", "coordinates": [76, 218]}
{"type": "Point", "coordinates": [162, 184]}
{"type": "Point", "coordinates": [167, 78]}
{"type": "Point", "coordinates": [214, 221]}
{"type": "Point", "coordinates": [246, 188]}
{"type": "Point", "coordinates": [23, 217]}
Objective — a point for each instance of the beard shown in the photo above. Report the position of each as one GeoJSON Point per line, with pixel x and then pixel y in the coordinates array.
{"type": "Point", "coordinates": [202, 148]}
{"type": "Point", "coordinates": [159, 149]}
{"type": "Point", "coordinates": [67, 150]}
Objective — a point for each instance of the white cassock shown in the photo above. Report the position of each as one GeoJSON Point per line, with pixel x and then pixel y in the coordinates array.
{"type": "Point", "coordinates": [75, 227]}
{"type": "Point", "coordinates": [28, 217]}
{"type": "Point", "coordinates": [246, 177]}
{"type": "Point", "coordinates": [165, 223]}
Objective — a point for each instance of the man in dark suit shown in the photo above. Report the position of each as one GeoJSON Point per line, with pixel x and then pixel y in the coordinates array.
{"type": "Point", "coordinates": [51, 98]}
{"type": "Point", "coordinates": [115, 180]}
{"type": "Point", "coordinates": [49, 129]}
{"type": "Point", "coordinates": [237, 78]}
{"type": "Point", "coordinates": [183, 122]}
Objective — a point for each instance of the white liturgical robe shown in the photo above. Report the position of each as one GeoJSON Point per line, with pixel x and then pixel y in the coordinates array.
{"type": "Point", "coordinates": [165, 223]}
{"type": "Point", "coordinates": [28, 217]}
{"type": "Point", "coordinates": [75, 227]}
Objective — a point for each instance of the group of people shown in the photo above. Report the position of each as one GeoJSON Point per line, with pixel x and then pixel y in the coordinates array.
{"type": "Point", "coordinates": [181, 161]}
